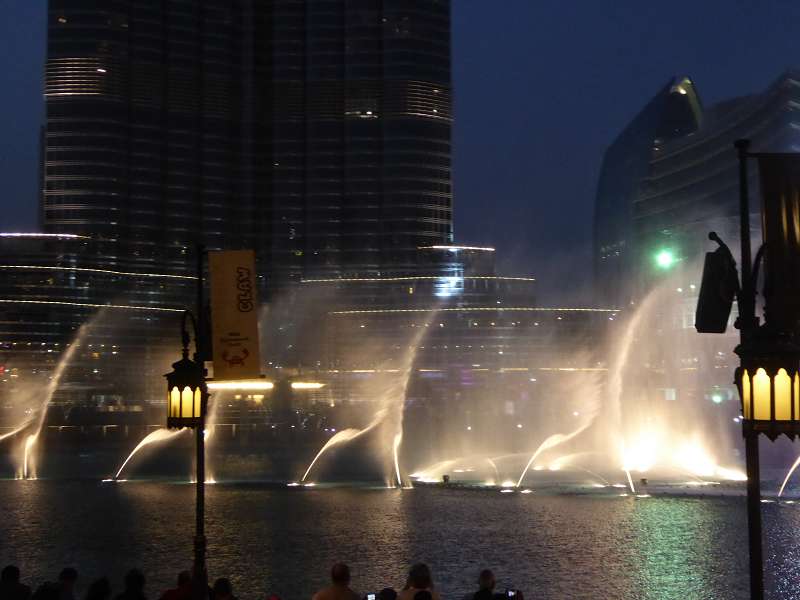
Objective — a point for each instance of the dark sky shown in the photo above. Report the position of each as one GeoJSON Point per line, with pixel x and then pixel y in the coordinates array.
{"type": "Point", "coordinates": [541, 88]}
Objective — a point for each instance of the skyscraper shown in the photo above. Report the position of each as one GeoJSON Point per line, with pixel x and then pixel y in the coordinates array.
{"type": "Point", "coordinates": [354, 98]}
{"type": "Point", "coordinates": [143, 134]}
{"type": "Point", "coordinates": [317, 132]}
{"type": "Point", "coordinates": [672, 175]}
{"type": "Point", "coordinates": [672, 113]}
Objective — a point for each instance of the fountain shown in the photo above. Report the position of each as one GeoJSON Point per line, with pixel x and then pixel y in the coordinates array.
{"type": "Point", "coordinates": [27, 468]}
{"type": "Point", "coordinates": [792, 469]}
{"type": "Point", "coordinates": [390, 412]}
{"type": "Point", "coordinates": [620, 415]}
{"type": "Point", "coordinates": [159, 435]}
{"type": "Point", "coordinates": [339, 437]}
{"type": "Point", "coordinates": [603, 422]}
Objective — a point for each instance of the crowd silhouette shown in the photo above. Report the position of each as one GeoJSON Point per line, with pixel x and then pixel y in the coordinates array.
{"type": "Point", "coordinates": [418, 586]}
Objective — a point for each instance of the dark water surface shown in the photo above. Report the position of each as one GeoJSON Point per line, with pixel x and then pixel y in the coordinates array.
{"type": "Point", "coordinates": [284, 540]}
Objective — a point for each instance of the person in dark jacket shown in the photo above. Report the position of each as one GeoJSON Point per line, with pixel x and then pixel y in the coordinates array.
{"type": "Point", "coordinates": [10, 586]}
{"type": "Point", "coordinates": [134, 586]}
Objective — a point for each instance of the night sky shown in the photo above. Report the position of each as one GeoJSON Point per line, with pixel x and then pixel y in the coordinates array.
{"type": "Point", "coordinates": [541, 88]}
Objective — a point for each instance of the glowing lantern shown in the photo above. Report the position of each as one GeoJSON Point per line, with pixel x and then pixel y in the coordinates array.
{"type": "Point", "coordinates": [769, 386]}
{"type": "Point", "coordinates": [186, 394]}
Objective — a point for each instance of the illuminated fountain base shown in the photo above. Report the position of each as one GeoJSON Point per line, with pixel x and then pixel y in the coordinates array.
{"type": "Point", "coordinates": [576, 474]}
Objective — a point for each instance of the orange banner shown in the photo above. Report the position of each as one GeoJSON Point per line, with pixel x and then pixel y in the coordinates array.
{"type": "Point", "coordinates": [234, 315]}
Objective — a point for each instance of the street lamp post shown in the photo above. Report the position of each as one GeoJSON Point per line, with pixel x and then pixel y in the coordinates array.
{"type": "Point", "coordinates": [187, 406]}
{"type": "Point", "coordinates": [747, 326]}
{"type": "Point", "coordinates": [768, 377]}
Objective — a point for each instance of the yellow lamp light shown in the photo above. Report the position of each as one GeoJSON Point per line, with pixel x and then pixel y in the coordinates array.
{"type": "Point", "coordinates": [187, 394]}
{"type": "Point", "coordinates": [769, 387]}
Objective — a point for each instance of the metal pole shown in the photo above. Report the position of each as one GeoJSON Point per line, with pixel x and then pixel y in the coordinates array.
{"type": "Point", "coordinates": [754, 516]}
{"type": "Point", "coordinates": [747, 297]}
{"type": "Point", "coordinates": [747, 326]}
{"type": "Point", "coordinates": [201, 576]}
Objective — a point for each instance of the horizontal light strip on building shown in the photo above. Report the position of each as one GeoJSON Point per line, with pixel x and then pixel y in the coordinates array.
{"type": "Point", "coordinates": [474, 309]}
{"type": "Point", "coordinates": [69, 236]}
{"type": "Point", "coordinates": [418, 278]}
{"type": "Point", "coordinates": [243, 385]}
{"type": "Point", "coordinates": [88, 305]}
{"type": "Point", "coordinates": [307, 385]}
{"type": "Point", "coordinates": [572, 369]}
{"type": "Point", "coordinates": [260, 384]}
{"type": "Point", "coordinates": [481, 248]}
{"type": "Point", "coordinates": [106, 271]}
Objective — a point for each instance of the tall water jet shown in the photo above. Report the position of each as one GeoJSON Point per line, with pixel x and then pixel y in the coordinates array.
{"type": "Point", "coordinates": [340, 437]}
{"type": "Point", "coordinates": [392, 404]}
{"type": "Point", "coordinates": [30, 441]}
{"type": "Point", "coordinates": [20, 428]}
{"type": "Point", "coordinates": [630, 479]}
{"type": "Point", "coordinates": [159, 435]}
{"type": "Point", "coordinates": [494, 466]}
{"type": "Point", "coordinates": [621, 359]}
{"type": "Point", "coordinates": [551, 442]}
{"type": "Point", "coordinates": [28, 469]}
{"type": "Point", "coordinates": [788, 476]}
{"type": "Point", "coordinates": [398, 439]}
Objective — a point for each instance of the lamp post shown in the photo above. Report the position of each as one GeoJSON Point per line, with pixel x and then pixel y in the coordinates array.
{"type": "Point", "coordinates": [768, 377]}
{"type": "Point", "coordinates": [187, 403]}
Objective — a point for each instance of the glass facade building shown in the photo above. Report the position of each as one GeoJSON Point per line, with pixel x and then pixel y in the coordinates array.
{"type": "Point", "coordinates": [673, 112]}
{"type": "Point", "coordinates": [354, 99]}
{"type": "Point", "coordinates": [316, 132]}
{"type": "Point", "coordinates": [142, 143]}
{"type": "Point", "coordinates": [671, 176]}
{"type": "Point", "coordinates": [681, 188]}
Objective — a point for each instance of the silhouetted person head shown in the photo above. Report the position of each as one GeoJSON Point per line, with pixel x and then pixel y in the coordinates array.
{"type": "Point", "coordinates": [10, 587]}
{"type": "Point", "coordinates": [223, 590]}
{"type": "Point", "coordinates": [134, 581]}
{"type": "Point", "coordinates": [68, 576]}
{"type": "Point", "coordinates": [184, 579]}
{"type": "Point", "coordinates": [486, 580]}
{"type": "Point", "coordinates": [340, 574]}
{"type": "Point", "coordinates": [419, 577]}
{"type": "Point", "coordinates": [387, 594]}
{"type": "Point", "coordinates": [66, 581]}
{"type": "Point", "coordinates": [9, 575]}
{"type": "Point", "coordinates": [423, 595]}
{"type": "Point", "coordinates": [100, 589]}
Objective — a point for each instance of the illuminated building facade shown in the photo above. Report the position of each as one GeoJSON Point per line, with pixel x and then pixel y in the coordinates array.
{"type": "Point", "coordinates": [53, 295]}
{"type": "Point", "coordinates": [316, 132]}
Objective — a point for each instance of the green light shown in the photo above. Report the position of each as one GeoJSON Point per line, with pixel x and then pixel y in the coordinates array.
{"type": "Point", "coordinates": [716, 398]}
{"type": "Point", "coordinates": [665, 259]}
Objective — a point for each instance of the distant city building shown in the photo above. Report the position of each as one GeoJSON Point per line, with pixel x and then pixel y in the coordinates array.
{"type": "Point", "coordinates": [671, 175]}
{"type": "Point", "coordinates": [659, 196]}
{"type": "Point", "coordinates": [672, 113]}
{"type": "Point", "coordinates": [53, 295]}
{"type": "Point", "coordinates": [317, 133]}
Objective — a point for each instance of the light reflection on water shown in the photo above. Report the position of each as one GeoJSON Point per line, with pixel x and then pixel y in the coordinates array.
{"type": "Point", "coordinates": [284, 540]}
